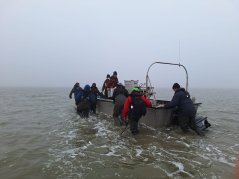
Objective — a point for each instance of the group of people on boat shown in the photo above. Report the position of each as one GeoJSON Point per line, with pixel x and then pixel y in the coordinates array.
{"type": "Point", "coordinates": [109, 84]}
{"type": "Point", "coordinates": [129, 108]}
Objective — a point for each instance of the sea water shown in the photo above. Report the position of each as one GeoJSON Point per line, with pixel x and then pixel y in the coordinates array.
{"type": "Point", "coordinates": [42, 136]}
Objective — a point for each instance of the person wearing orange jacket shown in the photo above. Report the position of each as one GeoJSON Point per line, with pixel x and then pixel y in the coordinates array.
{"type": "Point", "coordinates": [135, 107]}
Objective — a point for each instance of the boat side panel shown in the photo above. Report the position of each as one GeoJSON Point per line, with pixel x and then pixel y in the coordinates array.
{"type": "Point", "coordinates": [105, 106]}
{"type": "Point", "coordinates": [157, 118]}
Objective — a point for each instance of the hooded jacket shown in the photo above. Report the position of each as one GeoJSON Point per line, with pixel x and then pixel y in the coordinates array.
{"type": "Point", "coordinates": [82, 94]}
{"type": "Point", "coordinates": [182, 101]}
{"type": "Point", "coordinates": [75, 90]}
{"type": "Point", "coordinates": [129, 101]}
{"type": "Point", "coordinates": [120, 89]}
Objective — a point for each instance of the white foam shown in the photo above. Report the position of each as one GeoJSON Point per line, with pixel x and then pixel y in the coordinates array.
{"type": "Point", "coordinates": [184, 143]}
{"type": "Point", "coordinates": [117, 174]}
{"type": "Point", "coordinates": [113, 151]}
{"type": "Point", "coordinates": [223, 160]}
{"type": "Point", "coordinates": [71, 151]}
{"type": "Point", "coordinates": [103, 146]}
{"type": "Point", "coordinates": [208, 149]}
{"type": "Point", "coordinates": [169, 152]}
{"type": "Point", "coordinates": [102, 131]}
{"type": "Point", "coordinates": [84, 147]}
{"type": "Point", "coordinates": [138, 152]}
{"type": "Point", "coordinates": [179, 165]}
{"type": "Point", "coordinates": [234, 146]}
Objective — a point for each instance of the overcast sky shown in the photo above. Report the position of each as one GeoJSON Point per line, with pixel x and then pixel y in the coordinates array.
{"type": "Point", "coordinates": [58, 42]}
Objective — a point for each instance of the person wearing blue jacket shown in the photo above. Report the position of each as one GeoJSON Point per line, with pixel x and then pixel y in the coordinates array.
{"type": "Point", "coordinates": [75, 90]}
{"type": "Point", "coordinates": [83, 101]}
{"type": "Point", "coordinates": [185, 110]}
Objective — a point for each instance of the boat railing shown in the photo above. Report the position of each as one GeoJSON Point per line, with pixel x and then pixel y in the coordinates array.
{"type": "Point", "coordinates": [149, 89]}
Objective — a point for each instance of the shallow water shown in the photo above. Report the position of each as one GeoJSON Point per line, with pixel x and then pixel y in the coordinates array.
{"type": "Point", "coordinates": [41, 136]}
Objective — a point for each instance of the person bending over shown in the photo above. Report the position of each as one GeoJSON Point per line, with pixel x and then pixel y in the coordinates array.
{"type": "Point", "coordinates": [185, 111]}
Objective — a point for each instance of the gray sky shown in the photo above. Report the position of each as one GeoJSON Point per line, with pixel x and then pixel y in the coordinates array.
{"type": "Point", "coordinates": [59, 42]}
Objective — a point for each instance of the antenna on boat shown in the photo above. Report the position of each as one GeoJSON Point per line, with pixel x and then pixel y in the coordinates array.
{"type": "Point", "coordinates": [179, 59]}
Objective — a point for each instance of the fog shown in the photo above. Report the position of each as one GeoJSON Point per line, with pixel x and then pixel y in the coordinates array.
{"type": "Point", "coordinates": [54, 43]}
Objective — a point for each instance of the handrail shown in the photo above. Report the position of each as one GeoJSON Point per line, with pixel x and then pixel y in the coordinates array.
{"type": "Point", "coordinates": [165, 63]}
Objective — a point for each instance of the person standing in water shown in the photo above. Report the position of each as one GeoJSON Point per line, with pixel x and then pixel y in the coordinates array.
{"type": "Point", "coordinates": [185, 112]}
{"type": "Point", "coordinates": [75, 90]}
{"type": "Point", "coordinates": [119, 96]}
{"type": "Point", "coordinates": [135, 107]}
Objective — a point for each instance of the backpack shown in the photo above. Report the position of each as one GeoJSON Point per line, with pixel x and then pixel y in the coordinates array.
{"type": "Point", "coordinates": [84, 104]}
{"type": "Point", "coordinates": [137, 107]}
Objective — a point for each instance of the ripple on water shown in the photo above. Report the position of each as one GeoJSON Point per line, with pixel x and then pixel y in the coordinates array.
{"type": "Point", "coordinates": [93, 148]}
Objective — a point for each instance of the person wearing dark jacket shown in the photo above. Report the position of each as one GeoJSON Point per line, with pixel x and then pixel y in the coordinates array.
{"type": "Point", "coordinates": [185, 110]}
{"type": "Point", "coordinates": [75, 90]}
{"type": "Point", "coordinates": [94, 92]}
{"type": "Point", "coordinates": [83, 101]}
{"type": "Point", "coordinates": [119, 96]}
{"type": "Point", "coordinates": [135, 107]}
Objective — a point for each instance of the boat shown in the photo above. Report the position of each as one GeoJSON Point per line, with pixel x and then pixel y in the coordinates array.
{"type": "Point", "coordinates": [156, 116]}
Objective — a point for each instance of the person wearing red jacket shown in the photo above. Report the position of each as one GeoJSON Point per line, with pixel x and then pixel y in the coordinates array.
{"type": "Point", "coordinates": [113, 80]}
{"type": "Point", "coordinates": [135, 107]}
{"type": "Point", "coordinates": [112, 84]}
{"type": "Point", "coordinates": [105, 86]}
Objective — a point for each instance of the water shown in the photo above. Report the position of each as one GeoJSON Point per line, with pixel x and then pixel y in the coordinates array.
{"type": "Point", "coordinates": [41, 136]}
